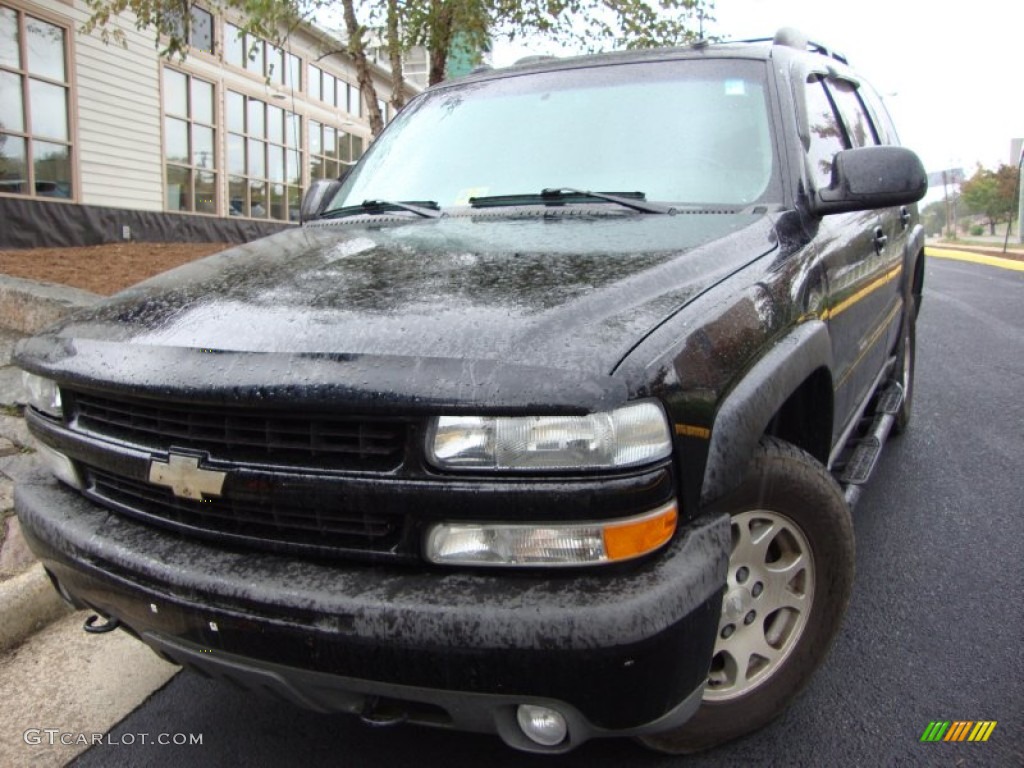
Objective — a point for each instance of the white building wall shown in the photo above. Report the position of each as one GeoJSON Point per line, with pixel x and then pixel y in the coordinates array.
{"type": "Point", "coordinates": [115, 104]}
{"type": "Point", "coordinates": [119, 121]}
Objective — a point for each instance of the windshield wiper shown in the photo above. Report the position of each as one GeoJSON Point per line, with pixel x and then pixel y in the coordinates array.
{"type": "Point", "coordinates": [634, 200]}
{"type": "Point", "coordinates": [428, 209]}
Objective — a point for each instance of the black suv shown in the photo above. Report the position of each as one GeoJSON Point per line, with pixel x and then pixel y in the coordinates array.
{"type": "Point", "coordinates": [546, 423]}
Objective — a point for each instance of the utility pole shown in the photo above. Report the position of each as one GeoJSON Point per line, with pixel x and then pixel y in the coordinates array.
{"type": "Point", "coordinates": [1020, 196]}
{"type": "Point", "coordinates": [950, 231]}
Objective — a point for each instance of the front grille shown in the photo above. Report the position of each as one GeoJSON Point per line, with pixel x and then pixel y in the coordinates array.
{"type": "Point", "coordinates": [256, 520]}
{"type": "Point", "coordinates": [244, 435]}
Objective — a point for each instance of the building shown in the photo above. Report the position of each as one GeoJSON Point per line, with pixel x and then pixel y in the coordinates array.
{"type": "Point", "coordinates": [100, 142]}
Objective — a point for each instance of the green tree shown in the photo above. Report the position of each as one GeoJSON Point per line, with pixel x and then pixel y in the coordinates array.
{"type": "Point", "coordinates": [992, 193]}
{"type": "Point", "coordinates": [933, 217]}
{"type": "Point", "coordinates": [588, 25]}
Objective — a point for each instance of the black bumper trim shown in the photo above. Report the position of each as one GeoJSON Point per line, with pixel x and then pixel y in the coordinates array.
{"type": "Point", "coordinates": [624, 647]}
{"type": "Point", "coordinates": [478, 712]}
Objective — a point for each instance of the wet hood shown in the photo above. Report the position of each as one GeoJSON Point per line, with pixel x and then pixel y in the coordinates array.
{"type": "Point", "coordinates": [569, 293]}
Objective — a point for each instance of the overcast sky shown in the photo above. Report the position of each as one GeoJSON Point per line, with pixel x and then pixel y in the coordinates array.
{"type": "Point", "coordinates": [952, 74]}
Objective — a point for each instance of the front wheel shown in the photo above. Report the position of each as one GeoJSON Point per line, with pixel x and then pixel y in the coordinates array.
{"type": "Point", "coordinates": [790, 575]}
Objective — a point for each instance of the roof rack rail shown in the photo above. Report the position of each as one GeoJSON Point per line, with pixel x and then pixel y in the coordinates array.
{"type": "Point", "coordinates": [794, 38]}
{"type": "Point", "coordinates": [534, 59]}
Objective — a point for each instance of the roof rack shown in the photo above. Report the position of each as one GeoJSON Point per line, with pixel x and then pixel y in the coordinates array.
{"type": "Point", "coordinates": [791, 37]}
{"type": "Point", "coordinates": [534, 59]}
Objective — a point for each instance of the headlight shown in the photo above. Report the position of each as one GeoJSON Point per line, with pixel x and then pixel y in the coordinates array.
{"type": "Point", "coordinates": [628, 436]}
{"type": "Point", "coordinates": [43, 394]}
{"type": "Point", "coordinates": [550, 544]}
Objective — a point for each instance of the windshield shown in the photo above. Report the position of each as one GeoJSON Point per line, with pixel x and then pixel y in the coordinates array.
{"type": "Point", "coordinates": [690, 132]}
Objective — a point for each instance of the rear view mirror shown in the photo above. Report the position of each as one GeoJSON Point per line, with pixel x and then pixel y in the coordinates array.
{"type": "Point", "coordinates": [872, 177]}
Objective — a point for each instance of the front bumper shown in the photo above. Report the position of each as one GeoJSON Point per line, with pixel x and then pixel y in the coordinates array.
{"type": "Point", "coordinates": [618, 651]}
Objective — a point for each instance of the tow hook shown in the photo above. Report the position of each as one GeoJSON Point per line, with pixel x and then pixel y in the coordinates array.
{"type": "Point", "coordinates": [379, 715]}
{"type": "Point", "coordinates": [109, 625]}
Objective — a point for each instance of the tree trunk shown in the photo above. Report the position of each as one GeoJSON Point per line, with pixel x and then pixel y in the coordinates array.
{"type": "Point", "coordinates": [395, 51]}
{"type": "Point", "coordinates": [440, 38]}
{"type": "Point", "coordinates": [357, 50]}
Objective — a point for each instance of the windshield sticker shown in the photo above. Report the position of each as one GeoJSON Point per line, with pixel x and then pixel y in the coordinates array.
{"type": "Point", "coordinates": [735, 88]}
{"type": "Point", "coordinates": [462, 198]}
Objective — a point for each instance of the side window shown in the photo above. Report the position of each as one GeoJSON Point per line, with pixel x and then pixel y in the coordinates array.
{"type": "Point", "coordinates": [859, 127]}
{"type": "Point", "coordinates": [876, 107]}
{"type": "Point", "coordinates": [826, 133]}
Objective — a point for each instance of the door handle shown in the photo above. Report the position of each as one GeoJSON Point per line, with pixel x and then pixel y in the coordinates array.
{"type": "Point", "coordinates": [880, 239]}
{"type": "Point", "coordinates": [904, 216]}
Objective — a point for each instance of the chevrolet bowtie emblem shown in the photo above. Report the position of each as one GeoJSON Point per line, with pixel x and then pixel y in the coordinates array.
{"type": "Point", "coordinates": [184, 477]}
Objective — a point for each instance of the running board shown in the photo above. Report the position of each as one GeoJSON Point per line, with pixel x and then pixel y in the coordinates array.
{"type": "Point", "coordinates": [864, 457]}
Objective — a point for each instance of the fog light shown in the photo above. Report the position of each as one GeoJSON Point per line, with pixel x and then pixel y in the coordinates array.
{"type": "Point", "coordinates": [542, 725]}
{"type": "Point", "coordinates": [61, 466]}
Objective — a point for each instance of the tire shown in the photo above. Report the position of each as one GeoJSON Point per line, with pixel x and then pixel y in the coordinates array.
{"type": "Point", "coordinates": [791, 566]}
{"type": "Point", "coordinates": [906, 356]}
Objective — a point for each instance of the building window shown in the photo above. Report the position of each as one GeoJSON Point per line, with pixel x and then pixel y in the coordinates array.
{"type": "Point", "coordinates": [331, 151]}
{"type": "Point", "coordinates": [355, 100]}
{"type": "Point", "coordinates": [264, 151]}
{"type": "Point", "coordinates": [190, 140]}
{"type": "Point", "coordinates": [323, 86]}
{"type": "Point", "coordinates": [201, 33]}
{"type": "Point", "coordinates": [35, 135]}
{"type": "Point", "coordinates": [261, 58]}
{"type": "Point", "coordinates": [334, 91]}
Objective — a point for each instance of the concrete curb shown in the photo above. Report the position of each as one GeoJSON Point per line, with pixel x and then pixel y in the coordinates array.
{"type": "Point", "coordinates": [28, 602]}
{"type": "Point", "coordinates": [980, 249]}
{"type": "Point", "coordinates": [29, 306]}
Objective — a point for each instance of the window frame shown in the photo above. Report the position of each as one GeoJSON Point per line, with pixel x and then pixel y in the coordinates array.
{"type": "Point", "coordinates": [69, 85]}
{"type": "Point", "coordinates": [273, 79]}
{"type": "Point", "coordinates": [325, 158]}
{"type": "Point", "coordinates": [212, 51]}
{"type": "Point", "coordinates": [266, 142]}
{"type": "Point", "coordinates": [216, 126]}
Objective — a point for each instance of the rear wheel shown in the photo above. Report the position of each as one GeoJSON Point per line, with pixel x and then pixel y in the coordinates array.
{"type": "Point", "coordinates": [790, 574]}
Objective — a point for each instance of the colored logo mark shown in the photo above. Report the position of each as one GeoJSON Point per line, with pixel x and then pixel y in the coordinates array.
{"type": "Point", "coordinates": [958, 730]}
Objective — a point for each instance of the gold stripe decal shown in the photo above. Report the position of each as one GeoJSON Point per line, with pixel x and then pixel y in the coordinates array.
{"type": "Point", "coordinates": [871, 287]}
{"type": "Point", "coordinates": [869, 344]}
{"type": "Point", "coordinates": [688, 430]}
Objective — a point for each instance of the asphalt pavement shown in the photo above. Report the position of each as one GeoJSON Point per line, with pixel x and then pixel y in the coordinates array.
{"type": "Point", "coordinates": [933, 630]}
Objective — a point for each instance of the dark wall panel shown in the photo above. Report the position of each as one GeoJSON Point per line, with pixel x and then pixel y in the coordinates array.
{"type": "Point", "coordinates": [26, 223]}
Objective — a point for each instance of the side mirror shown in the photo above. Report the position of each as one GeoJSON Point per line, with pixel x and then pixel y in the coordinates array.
{"type": "Point", "coordinates": [872, 177]}
{"type": "Point", "coordinates": [319, 194]}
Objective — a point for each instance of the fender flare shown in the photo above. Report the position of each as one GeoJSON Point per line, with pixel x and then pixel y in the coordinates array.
{"type": "Point", "coordinates": [913, 249]}
{"type": "Point", "coordinates": [745, 412]}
